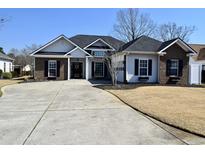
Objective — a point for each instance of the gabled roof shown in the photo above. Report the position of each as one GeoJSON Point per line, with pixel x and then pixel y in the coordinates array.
{"type": "Point", "coordinates": [151, 45]}
{"type": "Point", "coordinates": [166, 43]}
{"type": "Point", "coordinates": [85, 40]}
{"type": "Point", "coordinates": [180, 42]}
{"type": "Point", "coordinates": [143, 43]}
{"type": "Point", "coordinates": [52, 41]}
{"type": "Point", "coordinates": [5, 57]}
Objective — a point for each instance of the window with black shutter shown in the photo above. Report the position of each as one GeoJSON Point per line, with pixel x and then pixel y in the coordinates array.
{"type": "Point", "coordinates": [58, 68]}
{"type": "Point", "coordinates": [46, 68]}
{"type": "Point", "coordinates": [150, 67]}
{"type": "Point", "coordinates": [93, 69]}
{"type": "Point", "coordinates": [174, 67]}
{"type": "Point", "coordinates": [180, 72]}
{"type": "Point", "coordinates": [136, 66]}
{"type": "Point", "coordinates": [52, 68]}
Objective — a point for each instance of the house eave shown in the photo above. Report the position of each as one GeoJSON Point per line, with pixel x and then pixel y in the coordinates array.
{"type": "Point", "coordinates": [50, 56]}
{"type": "Point", "coordinates": [141, 52]}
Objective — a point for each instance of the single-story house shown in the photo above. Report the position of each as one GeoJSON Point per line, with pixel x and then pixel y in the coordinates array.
{"type": "Point", "coordinates": [144, 59]}
{"type": "Point", "coordinates": [6, 63]}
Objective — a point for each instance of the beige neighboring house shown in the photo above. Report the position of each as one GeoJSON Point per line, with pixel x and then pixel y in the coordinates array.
{"type": "Point", "coordinates": [197, 64]}
{"type": "Point", "coordinates": [6, 63]}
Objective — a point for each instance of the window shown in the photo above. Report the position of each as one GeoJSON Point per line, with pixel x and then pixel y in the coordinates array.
{"type": "Point", "coordinates": [143, 67]}
{"type": "Point", "coordinates": [52, 67]}
{"type": "Point", "coordinates": [99, 53]}
{"type": "Point", "coordinates": [99, 69]}
{"type": "Point", "coordinates": [4, 67]}
{"type": "Point", "coordinates": [174, 66]}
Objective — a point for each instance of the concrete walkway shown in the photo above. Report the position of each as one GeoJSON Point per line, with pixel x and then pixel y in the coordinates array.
{"type": "Point", "coordinates": [73, 112]}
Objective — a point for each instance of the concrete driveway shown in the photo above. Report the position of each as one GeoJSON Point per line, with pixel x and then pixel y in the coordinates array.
{"type": "Point", "coordinates": [72, 112]}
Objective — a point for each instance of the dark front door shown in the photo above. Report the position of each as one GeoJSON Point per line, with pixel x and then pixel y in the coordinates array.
{"type": "Point", "coordinates": [76, 70]}
{"type": "Point", "coordinates": [203, 74]}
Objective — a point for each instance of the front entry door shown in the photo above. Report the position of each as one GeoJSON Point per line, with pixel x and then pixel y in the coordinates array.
{"type": "Point", "coordinates": [76, 70]}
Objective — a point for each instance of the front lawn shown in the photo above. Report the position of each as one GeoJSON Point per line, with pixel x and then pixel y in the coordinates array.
{"type": "Point", "coordinates": [183, 107]}
{"type": "Point", "coordinates": [8, 82]}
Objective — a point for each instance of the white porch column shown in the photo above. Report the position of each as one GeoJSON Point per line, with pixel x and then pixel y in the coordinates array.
{"type": "Point", "coordinates": [68, 68]}
{"type": "Point", "coordinates": [86, 68]}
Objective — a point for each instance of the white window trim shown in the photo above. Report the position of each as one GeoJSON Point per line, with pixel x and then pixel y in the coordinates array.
{"type": "Point", "coordinates": [177, 67]}
{"type": "Point", "coordinates": [95, 69]}
{"type": "Point", "coordinates": [144, 67]}
{"type": "Point", "coordinates": [52, 68]}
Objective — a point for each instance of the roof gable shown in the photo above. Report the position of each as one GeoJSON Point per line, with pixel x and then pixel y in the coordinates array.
{"type": "Point", "coordinates": [99, 44]}
{"type": "Point", "coordinates": [60, 45]}
{"type": "Point", "coordinates": [85, 40]}
{"type": "Point", "coordinates": [5, 57]}
{"type": "Point", "coordinates": [181, 43]}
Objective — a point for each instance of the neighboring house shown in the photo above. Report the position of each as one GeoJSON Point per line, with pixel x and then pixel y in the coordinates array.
{"type": "Point", "coordinates": [27, 68]}
{"type": "Point", "coordinates": [142, 60]}
{"type": "Point", "coordinates": [6, 63]}
{"type": "Point", "coordinates": [197, 64]}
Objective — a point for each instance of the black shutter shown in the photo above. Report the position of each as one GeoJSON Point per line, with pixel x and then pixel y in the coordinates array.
{"type": "Point", "coordinates": [92, 69]}
{"type": "Point", "coordinates": [168, 67]}
{"type": "Point", "coordinates": [125, 80]}
{"type": "Point", "coordinates": [150, 67]}
{"type": "Point", "coordinates": [180, 70]}
{"type": "Point", "coordinates": [105, 70]}
{"type": "Point", "coordinates": [136, 66]}
{"type": "Point", "coordinates": [58, 68]}
{"type": "Point", "coordinates": [46, 68]}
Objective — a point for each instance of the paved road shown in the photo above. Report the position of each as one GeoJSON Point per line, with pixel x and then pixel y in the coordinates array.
{"type": "Point", "coordinates": [72, 112]}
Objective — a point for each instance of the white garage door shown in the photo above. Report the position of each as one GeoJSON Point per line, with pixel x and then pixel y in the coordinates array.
{"type": "Point", "coordinates": [195, 74]}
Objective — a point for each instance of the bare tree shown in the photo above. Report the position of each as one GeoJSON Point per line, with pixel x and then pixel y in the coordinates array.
{"type": "Point", "coordinates": [114, 63]}
{"type": "Point", "coordinates": [132, 24]}
{"type": "Point", "coordinates": [172, 30]}
{"type": "Point", "coordinates": [22, 56]}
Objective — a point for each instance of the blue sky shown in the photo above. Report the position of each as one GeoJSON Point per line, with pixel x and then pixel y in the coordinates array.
{"type": "Point", "coordinates": [38, 26]}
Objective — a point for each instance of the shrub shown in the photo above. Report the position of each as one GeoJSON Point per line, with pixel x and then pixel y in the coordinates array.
{"type": "Point", "coordinates": [1, 73]}
{"type": "Point", "coordinates": [7, 75]}
{"type": "Point", "coordinates": [14, 74]}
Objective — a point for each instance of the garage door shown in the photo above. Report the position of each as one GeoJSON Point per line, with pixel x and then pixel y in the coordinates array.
{"type": "Point", "coordinates": [195, 74]}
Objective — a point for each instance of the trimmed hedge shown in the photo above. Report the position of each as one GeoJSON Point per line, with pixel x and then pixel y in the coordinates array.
{"type": "Point", "coordinates": [14, 74]}
{"type": "Point", "coordinates": [1, 73]}
{"type": "Point", "coordinates": [7, 75]}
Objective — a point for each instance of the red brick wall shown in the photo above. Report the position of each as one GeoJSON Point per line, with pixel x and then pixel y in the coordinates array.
{"type": "Point", "coordinates": [174, 52]}
{"type": "Point", "coordinates": [39, 68]}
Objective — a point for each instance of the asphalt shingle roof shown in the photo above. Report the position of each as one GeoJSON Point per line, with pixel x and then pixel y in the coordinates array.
{"type": "Point", "coordinates": [4, 56]}
{"type": "Point", "coordinates": [143, 43]}
{"type": "Point", "coordinates": [166, 43]}
{"type": "Point", "coordinates": [84, 40]}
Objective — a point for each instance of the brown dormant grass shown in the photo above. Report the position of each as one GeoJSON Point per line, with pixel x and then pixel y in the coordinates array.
{"type": "Point", "coordinates": [183, 107]}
